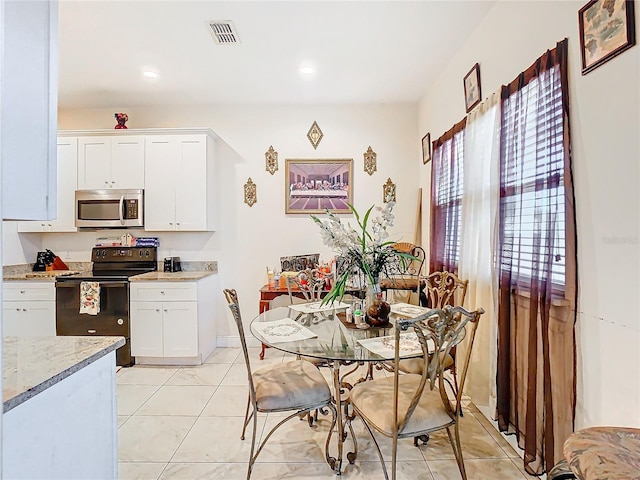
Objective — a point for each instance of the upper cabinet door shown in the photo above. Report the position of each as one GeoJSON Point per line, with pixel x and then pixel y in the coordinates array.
{"type": "Point", "coordinates": [28, 108]}
{"type": "Point", "coordinates": [66, 187]}
{"type": "Point", "coordinates": [111, 162]}
{"type": "Point", "coordinates": [161, 151]}
{"type": "Point", "coordinates": [191, 184]}
{"type": "Point", "coordinates": [127, 162]}
{"type": "Point", "coordinates": [94, 163]}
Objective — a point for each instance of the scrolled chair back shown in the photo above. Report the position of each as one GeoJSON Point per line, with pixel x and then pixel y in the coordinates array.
{"type": "Point", "coordinates": [232, 299]}
{"type": "Point", "coordinates": [445, 288]}
{"type": "Point", "coordinates": [438, 331]}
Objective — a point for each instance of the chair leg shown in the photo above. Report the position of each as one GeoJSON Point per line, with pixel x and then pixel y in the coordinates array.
{"type": "Point", "coordinates": [252, 458]}
{"type": "Point", "coordinates": [375, 442]}
{"type": "Point", "coordinates": [457, 449]}
{"type": "Point", "coordinates": [246, 418]}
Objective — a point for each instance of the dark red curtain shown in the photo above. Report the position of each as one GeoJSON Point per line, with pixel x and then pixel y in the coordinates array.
{"type": "Point", "coordinates": [537, 263]}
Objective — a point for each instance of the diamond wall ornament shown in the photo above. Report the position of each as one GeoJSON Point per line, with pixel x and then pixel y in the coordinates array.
{"type": "Point", "coordinates": [370, 161]}
{"type": "Point", "coordinates": [271, 159]}
{"type": "Point", "coordinates": [250, 195]}
{"type": "Point", "coordinates": [389, 191]}
{"type": "Point", "coordinates": [315, 135]}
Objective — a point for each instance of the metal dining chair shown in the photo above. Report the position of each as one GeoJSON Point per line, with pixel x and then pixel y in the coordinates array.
{"type": "Point", "coordinates": [296, 386]}
{"type": "Point", "coordinates": [412, 405]}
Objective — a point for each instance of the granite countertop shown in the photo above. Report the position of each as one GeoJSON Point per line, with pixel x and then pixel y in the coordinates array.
{"type": "Point", "coordinates": [49, 276]}
{"type": "Point", "coordinates": [170, 276]}
{"type": "Point", "coordinates": [31, 365]}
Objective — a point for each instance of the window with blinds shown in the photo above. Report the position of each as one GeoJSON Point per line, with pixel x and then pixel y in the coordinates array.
{"type": "Point", "coordinates": [447, 189]}
{"type": "Point", "coordinates": [532, 188]}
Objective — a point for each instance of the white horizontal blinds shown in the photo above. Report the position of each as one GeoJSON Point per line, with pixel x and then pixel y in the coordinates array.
{"type": "Point", "coordinates": [532, 188]}
{"type": "Point", "coordinates": [447, 202]}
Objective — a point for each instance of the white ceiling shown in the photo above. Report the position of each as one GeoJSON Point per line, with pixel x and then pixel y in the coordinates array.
{"type": "Point", "coordinates": [364, 51]}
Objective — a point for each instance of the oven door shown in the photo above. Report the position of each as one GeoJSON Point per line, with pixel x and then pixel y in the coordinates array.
{"type": "Point", "coordinates": [109, 208]}
{"type": "Point", "coordinates": [113, 319]}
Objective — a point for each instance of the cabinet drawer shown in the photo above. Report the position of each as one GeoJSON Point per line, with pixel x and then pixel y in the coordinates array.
{"type": "Point", "coordinates": [31, 291]}
{"type": "Point", "coordinates": [163, 291]}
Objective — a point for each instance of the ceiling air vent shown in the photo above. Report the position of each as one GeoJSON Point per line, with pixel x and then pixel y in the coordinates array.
{"type": "Point", "coordinates": [224, 33]}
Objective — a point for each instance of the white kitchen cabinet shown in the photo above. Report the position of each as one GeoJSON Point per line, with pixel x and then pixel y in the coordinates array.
{"type": "Point", "coordinates": [29, 309]}
{"type": "Point", "coordinates": [67, 183]}
{"type": "Point", "coordinates": [164, 329]}
{"type": "Point", "coordinates": [28, 108]}
{"type": "Point", "coordinates": [172, 322]}
{"type": "Point", "coordinates": [111, 162]}
{"type": "Point", "coordinates": [180, 189]}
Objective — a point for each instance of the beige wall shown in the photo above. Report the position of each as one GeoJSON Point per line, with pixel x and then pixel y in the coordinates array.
{"type": "Point", "coordinates": [251, 238]}
{"type": "Point", "coordinates": [605, 111]}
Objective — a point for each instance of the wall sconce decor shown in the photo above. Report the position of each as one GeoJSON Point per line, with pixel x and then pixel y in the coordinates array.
{"type": "Point", "coordinates": [389, 191]}
{"type": "Point", "coordinates": [315, 135]}
{"type": "Point", "coordinates": [250, 195]}
{"type": "Point", "coordinates": [370, 161]}
{"type": "Point", "coordinates": [271, 160]}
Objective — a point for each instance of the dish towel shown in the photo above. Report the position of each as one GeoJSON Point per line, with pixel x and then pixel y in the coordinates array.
{"type": "Point", "coordinates": [90, 298]}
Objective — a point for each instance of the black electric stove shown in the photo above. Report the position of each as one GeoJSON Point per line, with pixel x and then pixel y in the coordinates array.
{"type": "Point", "coordinates": [112, 267]}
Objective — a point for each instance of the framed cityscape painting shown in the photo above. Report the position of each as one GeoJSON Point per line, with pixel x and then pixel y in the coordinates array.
{"type": "Point", "coordinates": [314, 185]}
{"type": "Point", "coordinates": [607, 28]}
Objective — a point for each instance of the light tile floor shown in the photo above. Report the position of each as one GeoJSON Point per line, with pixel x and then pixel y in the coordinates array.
{"type": "Point", "coordinates": [185, 423]}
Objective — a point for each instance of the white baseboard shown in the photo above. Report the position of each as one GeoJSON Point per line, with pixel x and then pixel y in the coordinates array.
{"type": "Point", "coordinates": [233, 341]}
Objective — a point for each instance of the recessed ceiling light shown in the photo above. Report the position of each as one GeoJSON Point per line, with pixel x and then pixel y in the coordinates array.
{"type": "Point", "coordinates": [150, 74]}
{"type": "Point", "coordinates": [307, 70]}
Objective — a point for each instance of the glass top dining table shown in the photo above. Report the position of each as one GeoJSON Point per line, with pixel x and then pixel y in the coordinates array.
{"type": "Point", "coordinates": [336, 339]}
{"type": "Point", "coordinates": [336, 342]}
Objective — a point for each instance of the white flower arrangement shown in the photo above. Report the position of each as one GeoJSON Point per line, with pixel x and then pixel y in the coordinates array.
{"type": "Point", "coordinates": [367, 252]}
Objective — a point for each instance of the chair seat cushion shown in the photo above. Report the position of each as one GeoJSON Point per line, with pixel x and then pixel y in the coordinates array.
{"type": "Point", "coordinates": [374, 401]}
{"type": "Point", "coordinates": [415, 365]}
{"type": "Point", "coordinates": [292, 385]}
{"type": "Point", "coordinates": [599, 453]}
{"type": "Point", "coordinates": [400, 283]}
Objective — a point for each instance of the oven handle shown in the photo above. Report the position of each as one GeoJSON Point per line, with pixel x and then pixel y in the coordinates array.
{"type": "Point", "coordinates": [102, 284]}
{"type": "Point", "coordinates": [122, 210]}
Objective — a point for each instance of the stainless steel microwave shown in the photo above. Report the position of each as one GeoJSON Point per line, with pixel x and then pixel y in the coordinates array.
{"type": "Point", "coordinates": [110, 208]}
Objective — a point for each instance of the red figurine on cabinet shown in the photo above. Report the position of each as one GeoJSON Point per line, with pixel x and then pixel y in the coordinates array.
{"type": "Point", "coordinates": [122, 119]}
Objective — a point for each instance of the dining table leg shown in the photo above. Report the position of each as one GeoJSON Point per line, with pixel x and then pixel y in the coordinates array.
{"type": "Point", "coordinates": [343, 419]}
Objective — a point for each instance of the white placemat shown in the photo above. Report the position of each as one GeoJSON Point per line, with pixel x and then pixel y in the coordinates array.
{"type": "Point", "coordinates": [385, 346]}
{"type": "Point", "coordinates": [407, 310]}
{"type": "Point", "coordinates": [283, 330]}
{"type": "Point", "coordinates": [318, 307]}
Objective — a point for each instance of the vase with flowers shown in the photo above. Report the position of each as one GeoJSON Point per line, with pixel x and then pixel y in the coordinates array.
{"type": "Point", "coordinates": [364, 251]}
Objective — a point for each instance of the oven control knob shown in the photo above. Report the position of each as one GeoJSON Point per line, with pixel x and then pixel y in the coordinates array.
{"type": "Point", "coordinates": [146, 253]}
{"type": "Point", "coordinates": [120, 321]}
{"type": "Point", "coordinates": [140, 252]}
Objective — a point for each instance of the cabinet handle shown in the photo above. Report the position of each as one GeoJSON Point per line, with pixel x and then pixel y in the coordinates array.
{"type": "Point", "coordinates": [165, 309]}
{"type": "Point", "coordinates": [24, 309]}
{"type": "Point", "coordinates": [162, 292]}
{"type": "Point", "coordinates": [170, 223]}
{"type": "Point", "coordinates": [42, 224]}
{"type": "Point", "coordinates": [17, 309]}
{"type": "Point", "coordinates": [157, 309]}
{"type": "Point", "coordinates": [91, 331]}
{"type": "Point", "coordinates": [22, 292]}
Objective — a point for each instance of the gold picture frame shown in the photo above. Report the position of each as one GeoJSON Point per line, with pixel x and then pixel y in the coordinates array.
{"type": "Point", "coordinates": [315, 185]}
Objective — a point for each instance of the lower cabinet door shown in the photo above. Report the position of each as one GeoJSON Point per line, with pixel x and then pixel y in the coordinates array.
{"type": "Point", "coordinates": [29, 319]}
{"type": "Point", "coordinates": [146, 329]}
{"type": "Point", "coordinates": [180, 326]}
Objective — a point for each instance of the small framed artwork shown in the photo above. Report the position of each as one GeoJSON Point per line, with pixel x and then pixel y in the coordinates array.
{"type": "Point", "coordinates": [312, 186]}
{"type": "Point", "coordinates": [426, 148]}
{"type": "Point", "coordinates": [472, 93]}
{"type": "Point", "coordinates": [607, 28]}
